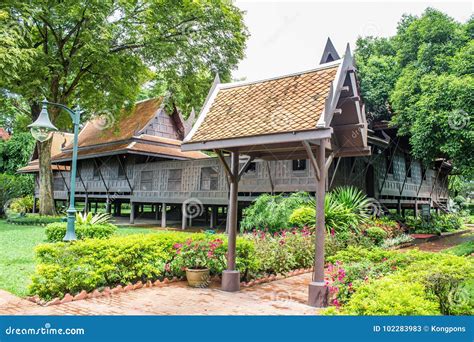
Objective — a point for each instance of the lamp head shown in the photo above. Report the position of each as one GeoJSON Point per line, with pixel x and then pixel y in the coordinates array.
{"type": "Point", "coordinates": [42, 129]}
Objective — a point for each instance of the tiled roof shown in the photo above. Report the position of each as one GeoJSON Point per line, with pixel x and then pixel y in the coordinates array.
{"type": "Point", "coordinates": [106, 129]}
{"type": "Point", "coordinates": [137, 146]}
{"type": "Point", "coordinates": [60, 139]}
{"type": "Point", "coordinates": [4, 135]}
{"type": "Point", "coordinates": [285, 104]}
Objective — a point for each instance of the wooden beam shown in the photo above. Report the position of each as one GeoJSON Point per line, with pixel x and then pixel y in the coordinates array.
{"type": "Point", "coordinates": [272, 186]}
{"type": "Point", "coordinates": [312, 159]}
{"type": "Point", "coordinates": [125, 174]}
{"type": "Point", "coordinates": [329, 161]}
{"type": "Point", "coordinates": [224, 163]}
{"type": "Point", "coordinates": [242, 170]}
{"type": "Point", "coordinates": [335, 170]}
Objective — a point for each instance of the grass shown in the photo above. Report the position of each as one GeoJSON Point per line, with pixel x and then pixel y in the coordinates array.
{"type": "Point", "coordinates": [17, 262]}
{"type": "Point", "coordinates": [463, 249]}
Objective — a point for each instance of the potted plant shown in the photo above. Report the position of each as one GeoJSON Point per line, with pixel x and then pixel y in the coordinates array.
{"type": "Point", "coordinates": [195, 257]}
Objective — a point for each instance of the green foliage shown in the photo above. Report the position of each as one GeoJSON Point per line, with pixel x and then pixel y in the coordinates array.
{"type": "Point", "coordinates": [15, 152]}
{"type": "Point", "coordinates": [89, 218]}
{"type": "Point", "coordinates": [376, 234]}
{"type": "Point", "coordinates": [303, 216]}
{"type": "Point", "coordinates": [463, 249]}
{"type": "Point", "coordinates": [353, 199]}
{"type": "Point", "coordinates": [390, 296]}
{"type": "Point", "coordinates": [437, 224]}
{"type": "Point", "coordinates": [94, 263]}
{"type": "Point", "coordinates": [33, 219]}
{"type": "Point", "coordinates": [396, 241]}
{"type": "Point", "coordinates": [422, 80]}
{"type": "Point", "coordinates": [420, 283]}
{"type": "Point", "coordinates": [272, 212]}
{"type": "Point", "coordinates": [55, 232]}
{"type": "Point", "coordinates": [14, 186]}
{"type": "Point", "coordinates": [22, 205]}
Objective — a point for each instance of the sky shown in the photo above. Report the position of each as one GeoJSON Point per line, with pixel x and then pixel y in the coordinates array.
{"type": "Point", "coordinates": [289, 36]}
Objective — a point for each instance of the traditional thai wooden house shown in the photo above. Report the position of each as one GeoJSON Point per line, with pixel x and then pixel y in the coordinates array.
{"type": "Point", "coordinates": [139, 160]}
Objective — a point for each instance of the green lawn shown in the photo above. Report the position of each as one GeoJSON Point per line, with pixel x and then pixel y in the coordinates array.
{"type": "Point", "coordinates": [17, 253]}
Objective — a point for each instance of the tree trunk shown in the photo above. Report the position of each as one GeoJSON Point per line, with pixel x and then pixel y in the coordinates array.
{"type": "Point", "coordinates": [46, 193]}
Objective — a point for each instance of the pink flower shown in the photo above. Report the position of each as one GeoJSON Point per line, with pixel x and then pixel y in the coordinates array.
{"type": "Point", "coordinates": [210, 254]}
{"type": "Point", "coordinates": [282, 242]}
{"type": "Point", "coordinates": [167, 267]}
{"type": "Point", "coordinates": [333, 232]}
{"type": "Point", "coordinates": [177, 245]}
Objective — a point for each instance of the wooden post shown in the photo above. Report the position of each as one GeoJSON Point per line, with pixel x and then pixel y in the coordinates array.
{"type": "Point", "coordinates": [156, 212]}
{"type": "Point", "coordinates": [34, 205]}
{"type": "Point", "coordinates": [132, 213]}
{"type": "Point", "coordinates": [231, 277]}
{"type": "Point", "coordinates": [96, 207]}
{"type": "Point", "coordinates": [163, 215]}
{"type": "Point", "coordinates": [86, 204]}
{"type": "Point", "coordinates": [416, 208]}
{"type": "Point", "coordinates": [318, 291]}
{"type": "Point", "coordinates": [107, 205]}
{"type": "Point", "coordinates": [183, 216]}
{"type": "Point", "coordinates": [214, 216]}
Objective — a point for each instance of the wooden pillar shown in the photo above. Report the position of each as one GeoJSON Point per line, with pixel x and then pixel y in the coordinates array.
{"type": "Point", "coordinates": [231, 277]}
{"type": "Point", "coordinates": [318, 291]}
{"type": "Point", "coordinates": [183, 216]}
{"type": "Point", "coordinates": [33, 210]}
{"type": "Point", "coordinates": [132, 213]}
{"type": "Point", "coordinates": [96, 206]}
{"type": "Point", "coordinates": [214, 213]}
{"type": "Point", "coordinates": [416, 208]}
{"type": "Point", "coordinates": [86, 204]}
{"type": "Point", "coordinates": [107, 205]}
{"type": "Point", "coordinates": [163, 215]}
{"type": "Point", "coordinates": [157, 212]}
{"type": "Point", "coordinates": [399, 206]}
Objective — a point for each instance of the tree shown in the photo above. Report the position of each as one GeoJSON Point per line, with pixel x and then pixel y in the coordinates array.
{"type": "Point", "coordinates": [424, 75]}
{"type": "Point", "coordinates": [98, 53]}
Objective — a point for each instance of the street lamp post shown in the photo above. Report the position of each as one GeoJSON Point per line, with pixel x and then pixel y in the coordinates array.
{"type": "Point", "coordinates": [42, 130]}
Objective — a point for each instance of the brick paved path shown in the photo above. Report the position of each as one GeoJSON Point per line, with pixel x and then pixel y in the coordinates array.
{"type": "Point", "coordinates": [282, 297]}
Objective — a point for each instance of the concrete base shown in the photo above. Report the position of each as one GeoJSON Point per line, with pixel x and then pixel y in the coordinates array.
{"type": "Point", "coordinates": [318, 295]}
{"type": "Point", "coordinates": [230, 281]}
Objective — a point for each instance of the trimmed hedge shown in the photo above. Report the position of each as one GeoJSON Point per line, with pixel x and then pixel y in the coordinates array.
{"type": "Point", "coordinates": [96, 263]}
{"type": "Point", "coordinates": [34, 219]}
{"type": "Point", "coordinates": [55, 231]}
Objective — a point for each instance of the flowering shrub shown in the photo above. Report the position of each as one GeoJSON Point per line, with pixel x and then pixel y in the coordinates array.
{"type": "Point", "coordinates": [376, 234]}
{"type": "Point", "coordinates": [199, 254]}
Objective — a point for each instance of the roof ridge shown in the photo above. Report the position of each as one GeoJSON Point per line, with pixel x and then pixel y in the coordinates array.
{"type": "Point", "coordinates": [245, 83]}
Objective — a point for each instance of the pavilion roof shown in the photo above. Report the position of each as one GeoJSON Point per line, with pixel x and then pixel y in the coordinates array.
{"type": "Point", "coordinates": [278, 105]}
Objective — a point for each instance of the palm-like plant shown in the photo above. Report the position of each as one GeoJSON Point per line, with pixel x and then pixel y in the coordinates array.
{"type": "Point", "coordinates": [99, 218]}
{"type": "Point", "coordinates": [353, 199]}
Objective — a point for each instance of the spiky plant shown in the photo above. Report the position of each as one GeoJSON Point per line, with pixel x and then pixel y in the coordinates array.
{"type": "Point", "coordinates": [99, 218]}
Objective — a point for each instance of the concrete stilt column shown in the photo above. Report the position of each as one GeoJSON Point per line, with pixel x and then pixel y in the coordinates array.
{"type": "Point", "coordinates": [34, 205]}
{"type": "Point", "coordinates": [96, 207]}
{"type": "Point", "coordinates": [416, 208]}
{"type": "Point", "coordinates": [163, 215]}
{"type": "Point", "coordinates": [107, 205]}
{"type": "Point", "coordinates": [231, 277]}
{"type": "Point", "coordinates": [213, 220]}
{"type": "Point", "coordinates": [318, 290]}
{"type": "Point", "coordinates": [86, 204]}
{"type": "Point", "coordinates": [132, 213]}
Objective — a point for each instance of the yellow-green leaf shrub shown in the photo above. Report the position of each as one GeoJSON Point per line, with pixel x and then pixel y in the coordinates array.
{"type": "Point", "coordinates": [55, 231]}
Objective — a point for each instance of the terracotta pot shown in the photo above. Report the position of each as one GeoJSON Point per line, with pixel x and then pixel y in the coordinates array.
{"type": "Point", "coordinates": [198, 277]}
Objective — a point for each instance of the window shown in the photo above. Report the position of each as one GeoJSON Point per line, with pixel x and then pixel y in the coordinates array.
{"type": "Point", "coordinates": [299, 165]}
{"type": "Point", "coordinates": [209, 178]}
{"type": "Point", "coordinates": [174, 179]}
{"type": "Point", "coordinates": [58, 183]}
{"type": "Point", "coordinates": [251, 168]}
{"type": "Point", "coordinates": [146, 180]}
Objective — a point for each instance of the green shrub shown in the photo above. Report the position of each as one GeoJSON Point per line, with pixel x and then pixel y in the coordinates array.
{"type": "Point", "coordinates": [396, 241]}
{"type": "Point", "coordinates": [14, 186]}
{"type": "Point", "coordinates": [22, 205]}
{"type": "Point", "coordinates": [55, 231]}
{"type": "Point", "coordinates": [303, 216]}
{"type": "Point", "coordinates": [376, 234]}
{"type": "Point", "coordinates": [437, 224]}
{"type": "Point", "coordinates": [391, 296]}
{"type": "Point", "coordinates": [95, 263]}
{"type": "Point", "coordinates": [33, 219]}
{"type": "Point", "coordinates": [272, 212]}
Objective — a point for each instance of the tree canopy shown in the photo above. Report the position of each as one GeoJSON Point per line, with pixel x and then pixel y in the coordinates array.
{"type": "Point", "coordinates": [422, 80]}
{"type": "Point", "coordinates": [101, 53]}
